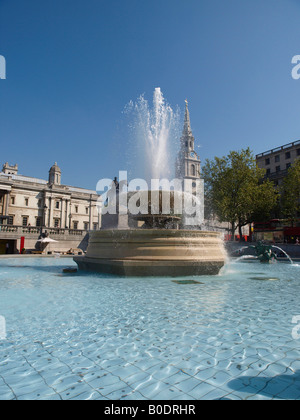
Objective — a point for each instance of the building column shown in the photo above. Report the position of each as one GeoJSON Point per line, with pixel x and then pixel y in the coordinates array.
{"type": "Point", "coordinates": [45, 215]}
{"type": "Point", "coordinates": [4, 204]}
{"type": "Point", "coordinates": [70, 215]}
{"type": "Point", "coordinates": [91, 214]}
{"type": "Point", "coordinates": [62, 202]}
{"type": "Point", "coordinates": [45, 207]}
{"type": "Point", "coordinates": [99, 213]}
{"type": "Point", "coordinates": [66, 214]}
{"type": "Point", "coordinates": [6, 199]}
{"type": "Point", "coordinates": [50, 212]}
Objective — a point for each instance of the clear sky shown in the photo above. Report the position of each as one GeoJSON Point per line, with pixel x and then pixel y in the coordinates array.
{"type": "Point", "coordinates": [72, 66]}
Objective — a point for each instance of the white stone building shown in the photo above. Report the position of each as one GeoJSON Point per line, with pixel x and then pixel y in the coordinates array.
{"type": "Point", "coordinates": [30, 206]}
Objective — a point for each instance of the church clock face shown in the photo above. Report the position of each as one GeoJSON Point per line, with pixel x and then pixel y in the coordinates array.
{"type": "Point", "coordinates": [192, 154]}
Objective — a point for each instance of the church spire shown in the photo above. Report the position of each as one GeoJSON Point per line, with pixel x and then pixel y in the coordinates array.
{"type": "Point", "coordinates": [188, 161]}
{"type": "Point", "coordinates": [187, 131]}
{"type": "Point", "coordinates": [187, 139]}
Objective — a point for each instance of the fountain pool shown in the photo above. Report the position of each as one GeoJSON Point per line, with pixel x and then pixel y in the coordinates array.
{"type": "Point", "coordinates": [96, 336]}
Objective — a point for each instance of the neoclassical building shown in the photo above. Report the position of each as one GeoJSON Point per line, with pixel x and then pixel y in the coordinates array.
{"type": "Point", "coordinates": [30, 205]}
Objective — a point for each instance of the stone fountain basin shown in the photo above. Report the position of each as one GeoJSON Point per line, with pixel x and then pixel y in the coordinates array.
{"type": "Point", "coordinates": [154, 252]}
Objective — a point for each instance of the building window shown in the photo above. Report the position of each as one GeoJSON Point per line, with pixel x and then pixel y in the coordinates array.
{"type": "Point", "coordinates": [95, 226]}
{"type": "Point", "coordinates": [277, 158]}
{"type": "Point", "coordinates": [268, 161]}
{"type": "Point", "coordinates": [26, 202]}
{"type": "Point", "coordinates": [86, 210]}
{"type": "Point", "coordinates": [25, 221]}
{"type": "Point", "coordinates": [85, 225]}
{"type": "Point", "coordinates": [277, 168]}
{"type": "Point", "coordinates": [193, 170]}
{"type": "Point", "coordinates": [38, 222]}
{"type": "Point", "coordinates": [57, 205]}
{"type": "Point", "coordinates": [288, 165]}
{"type": "Point", "coordinates": [10, 220]}
{"type": "Point", "coordinates": [268, 171]}
{"type": "Point", "coordinates": [298, 152]}
{"type": "Point", "coordinates": [288, 155]}
{"type": "Point", "coordinates": [56, 223]}
{"type": "Point", "coordinates": [76, 209]}
{"type": "Point", "coordinates": [12, 200]}
{"type": "Point", "coordinates": [75, 225]}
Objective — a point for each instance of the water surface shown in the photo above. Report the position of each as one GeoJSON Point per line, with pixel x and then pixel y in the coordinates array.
{"type": "Point", "coordinates": [91, 336]}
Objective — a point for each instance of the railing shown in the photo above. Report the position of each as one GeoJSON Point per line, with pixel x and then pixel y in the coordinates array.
{"type": "Point", "coordinates": [277, 174]}
{"type": "Point", "coordinates": [59, 231]}
{"type": "Point", "coordinates": [8, 228]}
{"type": "Point", "coordinates": [29, 230]}
{"type": "Point", "coordinates": [278, 149]}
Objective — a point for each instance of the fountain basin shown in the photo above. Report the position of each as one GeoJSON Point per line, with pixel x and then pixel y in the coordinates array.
{"type": "Point", "coordinates": [154, 252]}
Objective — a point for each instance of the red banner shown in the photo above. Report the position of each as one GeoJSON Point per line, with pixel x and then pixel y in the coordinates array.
{"type": "Point", "coordinates": [22, 244]}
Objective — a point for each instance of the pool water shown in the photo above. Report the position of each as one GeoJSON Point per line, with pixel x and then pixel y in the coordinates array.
{"type": "Point", "coordinates": [91, 336]}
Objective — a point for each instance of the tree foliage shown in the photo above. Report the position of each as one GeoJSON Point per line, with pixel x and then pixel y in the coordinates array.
{"type": "Point", "coordinates": [290, 191]}
{"type": "Point", "coordinates": [236, 191]}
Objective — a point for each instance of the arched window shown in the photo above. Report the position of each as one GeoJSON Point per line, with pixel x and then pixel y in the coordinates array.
{"type": "Point", "coordinates": [193, 170]}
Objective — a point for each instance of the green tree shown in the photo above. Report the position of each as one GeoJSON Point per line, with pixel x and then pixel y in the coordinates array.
{"type": "Point", "coordinates": [236, 191]}
{"type": "Point", "coordinates": [290, 192]}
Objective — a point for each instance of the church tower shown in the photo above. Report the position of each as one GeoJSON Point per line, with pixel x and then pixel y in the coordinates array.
{"type": "Point", "coordinates": [188, 162]}
{"type": "Point", "coordinates": [55, 175]}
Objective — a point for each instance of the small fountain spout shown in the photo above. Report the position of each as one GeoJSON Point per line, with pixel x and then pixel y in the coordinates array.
{"type": "Point", "coordinates": [285, 253]}
{"type": "Point", "coordinates": [265, 254]}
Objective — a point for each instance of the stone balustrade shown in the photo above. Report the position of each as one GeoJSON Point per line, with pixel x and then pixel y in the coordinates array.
{"type": "Point", "coordinates": [29, 231]}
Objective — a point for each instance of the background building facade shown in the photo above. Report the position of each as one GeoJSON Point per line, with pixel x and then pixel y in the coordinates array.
{"type": "Point", "coordinates": [29, 206]}
{"type": "Point", "coordinates": [277, 161]}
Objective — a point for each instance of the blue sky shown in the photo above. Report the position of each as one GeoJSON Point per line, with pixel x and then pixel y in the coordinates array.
{"type": "Point", "coordinates": [72, 66]}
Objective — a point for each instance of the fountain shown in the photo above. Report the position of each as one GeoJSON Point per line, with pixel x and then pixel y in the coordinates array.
{"type": "Point", "coordinates": [264, 253]}
{"type": "Point", "coordinates": [157, 241]}
{"type": "Point", "coordinates": [153, 134]}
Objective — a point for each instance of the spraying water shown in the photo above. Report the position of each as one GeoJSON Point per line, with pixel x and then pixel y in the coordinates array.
{"type": "Point", "coordinates": [285, 253]}
{"type": "Point", "coordinates": [155, 136]}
